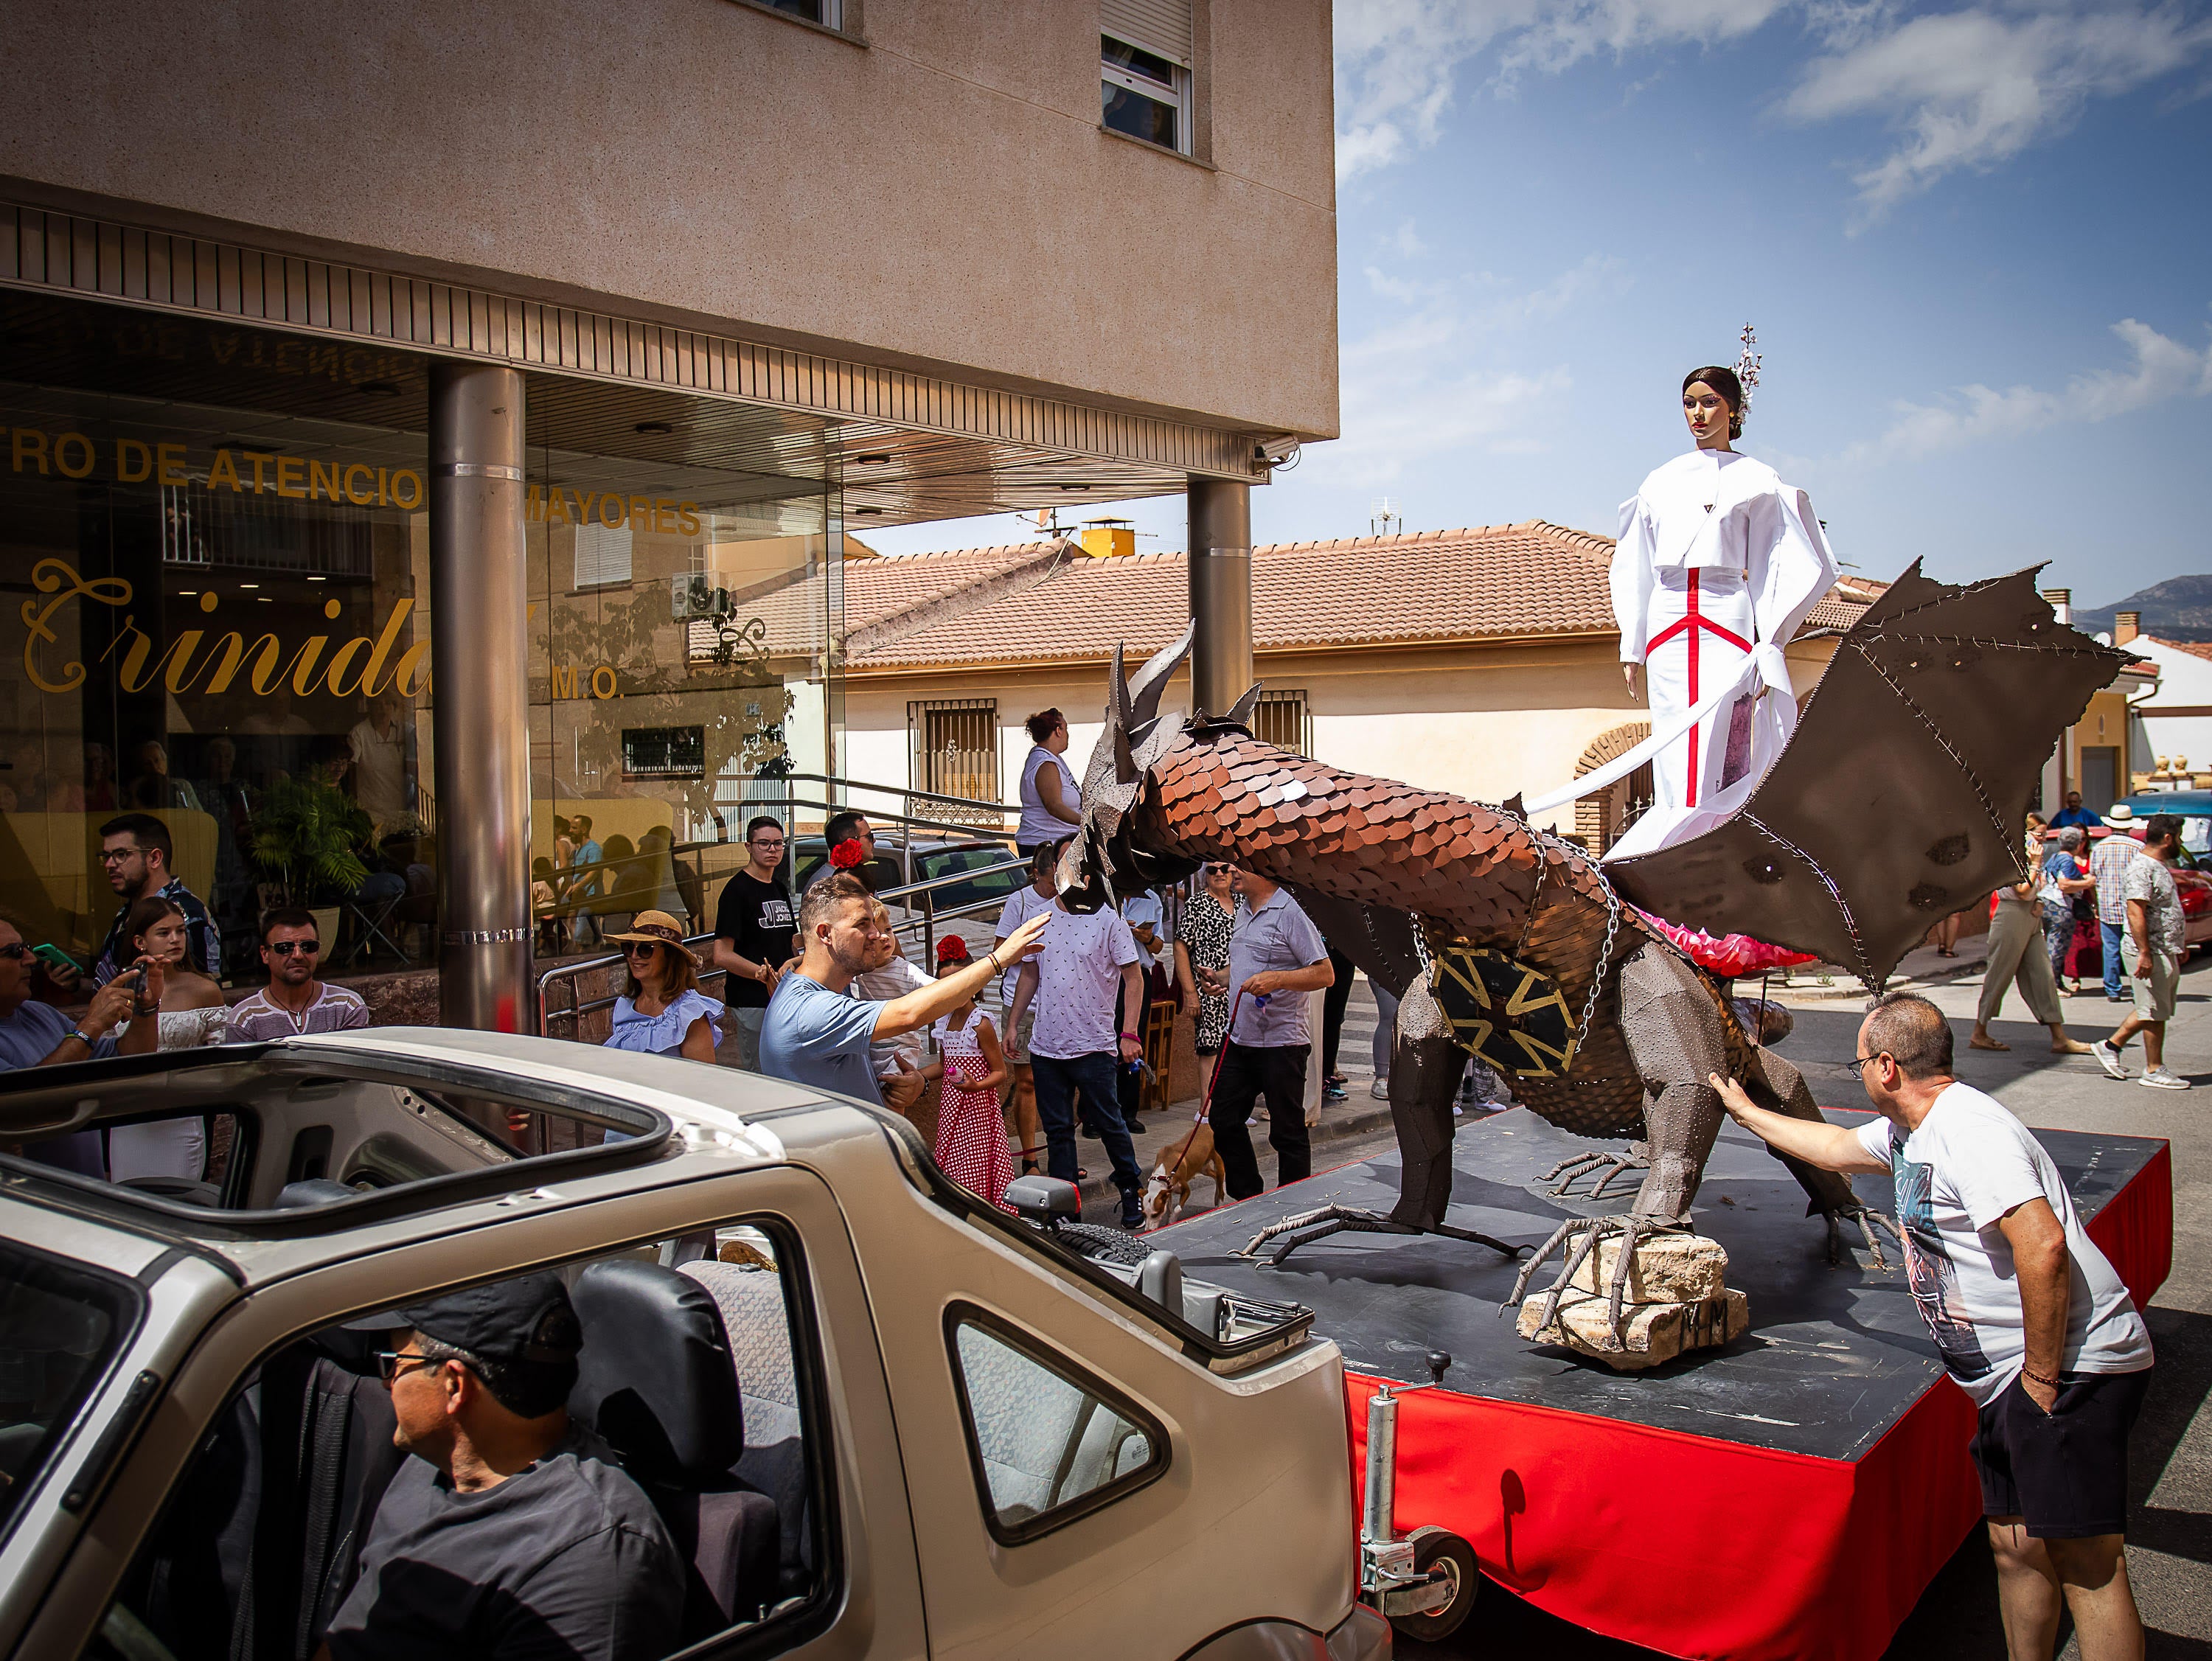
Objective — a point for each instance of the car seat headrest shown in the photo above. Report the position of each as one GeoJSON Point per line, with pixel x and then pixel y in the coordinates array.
{"type": "Point", "coordinates": [313, 1191]}
{"type": "Point", "coordinates": [656, 1381]}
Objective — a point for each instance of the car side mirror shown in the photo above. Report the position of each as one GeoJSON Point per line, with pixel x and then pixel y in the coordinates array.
{"type": "Point", "coordinates": [1044, 1200]}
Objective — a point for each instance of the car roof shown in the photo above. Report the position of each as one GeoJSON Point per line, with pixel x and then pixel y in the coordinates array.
{"type": "Point", "coordinates": [708, 1121]}
{"type": "Point", "coordinates": [2189, 803]}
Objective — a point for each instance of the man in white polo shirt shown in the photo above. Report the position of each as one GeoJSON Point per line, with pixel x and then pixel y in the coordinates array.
{"type": "Point", "coordinates": [2029, 1316]}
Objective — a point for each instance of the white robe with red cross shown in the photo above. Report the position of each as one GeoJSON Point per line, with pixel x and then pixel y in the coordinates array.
{"type": "Point", "coordinates": [1717, 565]}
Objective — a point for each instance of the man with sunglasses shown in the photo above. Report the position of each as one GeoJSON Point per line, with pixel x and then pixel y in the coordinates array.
{"type": "Point", "coordinates": [2029, 1316]}
{"type": "Point", "coordinates": [755, 934]}
{"type": "Point", "coordinates": [511, 1532]}
{"type": "Point", "coordinates": [294, 1002]}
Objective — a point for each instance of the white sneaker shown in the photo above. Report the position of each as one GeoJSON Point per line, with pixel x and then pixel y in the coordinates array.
{"type": "Point", "coordinates": [2109, 1058]}
{"type": "Point", "coordinates": [1380, 1089]}
{"type": "Point", "coordinates": [2160, 1078]}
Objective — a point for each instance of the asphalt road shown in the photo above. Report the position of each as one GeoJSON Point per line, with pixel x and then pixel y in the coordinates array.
{"type": "Point", "coordinates": [2169, 1527]}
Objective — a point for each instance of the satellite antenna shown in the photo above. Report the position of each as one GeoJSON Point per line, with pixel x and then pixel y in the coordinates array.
{"type": "Point", "coordinates": [1383, 517]}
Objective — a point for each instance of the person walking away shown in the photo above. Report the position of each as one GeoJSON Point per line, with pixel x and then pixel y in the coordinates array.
{"type": "Point", "coordinates": [294, 1002]}
{"type": "Point", "coordinates": [1209, 920]}
{"type": "Point", "coordinates": [583, 885]}
{"type": "Point", "coordinates": [2160, 939]}
{"type": "Point", "coordinates": [1144, 915]}
{"type": "Point", "coordinates": [898, 1059]}
{"type": "Point", "coordinates": [2030, 1319]}
{"type": "Point", "coordinates": [661, 1011]}
{"type": "Point", "coordinates": [2017, 955]}
{"type": "Point", "coordinates": [2108, 868]}
{"type": "Point", "coordinates": [755, 934]}
{"type": "Point", "coordinates": [1052, 804]}
{"type": "Point", "coordinates": [1276, 957]}
{"type": "Point", "coordinates": [971, 1138]}
{"type": "Point", "coordinates": [1088, 957]}
{"type": "Point", "coordinates": [136, 853]}
{"type": "Point", "coordinates": [818, 1034]}
{"type": "Point", "coordinates": [191, 1013]}
{"type": "Point", "coordinates": [2065, 878]}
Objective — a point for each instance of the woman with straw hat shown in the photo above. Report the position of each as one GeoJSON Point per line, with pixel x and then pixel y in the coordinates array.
{"type": "Point", "coordinates": [662, 1012]}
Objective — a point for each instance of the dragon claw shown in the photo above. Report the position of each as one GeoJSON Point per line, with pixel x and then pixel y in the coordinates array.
{"type": "Point", "coordinates": [1870, 1223]}
{"type": "Point", "coordinates": [1585, 1232]}
{"type": "Point", "coordinates": [1573, 1169]}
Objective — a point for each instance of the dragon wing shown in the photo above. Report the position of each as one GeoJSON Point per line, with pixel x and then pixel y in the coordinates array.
{"type": "Point", "coordinates": [1901, 796]}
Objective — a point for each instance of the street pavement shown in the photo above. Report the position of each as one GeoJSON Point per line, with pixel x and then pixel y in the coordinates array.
{"type": "Point", "coordinates": [2170, 1528]}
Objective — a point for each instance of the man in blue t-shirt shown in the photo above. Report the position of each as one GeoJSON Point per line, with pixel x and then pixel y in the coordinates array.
{"type": "Point", "coordinates": [816, 1032]}
{"type": "Point", "coordinates": [2073, 813]}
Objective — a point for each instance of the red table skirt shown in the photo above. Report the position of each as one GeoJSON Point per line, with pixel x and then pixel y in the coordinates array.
{"type": "Point", "coordinates": [1697, 1547]}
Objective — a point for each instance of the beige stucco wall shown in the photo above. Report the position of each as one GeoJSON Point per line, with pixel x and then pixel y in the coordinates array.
{"type": "Point", "coordinates": [1481, 722]}
{"type": "Point", "coordinates": [940, 196]}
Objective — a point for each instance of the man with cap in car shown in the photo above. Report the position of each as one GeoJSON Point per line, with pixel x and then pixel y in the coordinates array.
{"type": "Point", "coordinates": [507, 1534]}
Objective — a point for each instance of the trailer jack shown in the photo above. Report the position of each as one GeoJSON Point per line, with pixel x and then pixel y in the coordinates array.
{"type": "Point", "coordinates": [1425, 1581]}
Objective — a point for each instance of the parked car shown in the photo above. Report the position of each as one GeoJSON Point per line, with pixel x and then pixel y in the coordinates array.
{"type": "Point", "coordinates": [970, 907]}
{"type": "Point", "coordinates": [931, 1428]}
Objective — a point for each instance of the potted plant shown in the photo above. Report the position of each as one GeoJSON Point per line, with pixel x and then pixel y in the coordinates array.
{"type": "Point", "coordinates": [309, 836]}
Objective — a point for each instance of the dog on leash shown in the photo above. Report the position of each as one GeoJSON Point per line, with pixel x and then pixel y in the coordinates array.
{"type": "Point", "coordinates": [1167, 1192]}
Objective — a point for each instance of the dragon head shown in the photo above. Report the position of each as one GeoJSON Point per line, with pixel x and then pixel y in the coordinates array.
{"type": "Point", "coordinates": [1098, 864]}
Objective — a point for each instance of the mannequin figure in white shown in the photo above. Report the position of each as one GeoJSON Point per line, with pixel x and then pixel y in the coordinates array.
{"type": "Point", "coordinates": [1717, 564]}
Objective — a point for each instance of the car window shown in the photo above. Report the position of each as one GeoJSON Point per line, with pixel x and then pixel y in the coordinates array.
{"type": "Point", "coordinates": [2197, 835]}
{"type": "Point", "coordinates": [60, 1325]}
{"type": "Point", "coordinates": [705, 1396]}
{"type": "Point", "coordinates": [1049, 1443]}
{"type": "Point", "coordinates": [978, 890]}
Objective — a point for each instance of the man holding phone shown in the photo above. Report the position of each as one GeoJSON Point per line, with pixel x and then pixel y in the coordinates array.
{"type": "Point", "coordinates": [35, 1034]}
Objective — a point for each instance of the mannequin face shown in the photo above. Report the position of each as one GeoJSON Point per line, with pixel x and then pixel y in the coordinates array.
{"type": "Point", "coordinates": [1707, 412]}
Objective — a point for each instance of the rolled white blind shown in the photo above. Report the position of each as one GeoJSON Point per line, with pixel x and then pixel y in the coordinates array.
{"type": "Point", "coordinates": [1158, 26]}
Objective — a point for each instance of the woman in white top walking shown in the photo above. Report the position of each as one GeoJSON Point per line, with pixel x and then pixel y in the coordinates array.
{"type": "Point", "coordinates": [1051, 803]}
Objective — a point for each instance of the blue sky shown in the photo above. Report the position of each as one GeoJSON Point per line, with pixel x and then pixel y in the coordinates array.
{"type": "Point", "coordinates": [1976, 246]}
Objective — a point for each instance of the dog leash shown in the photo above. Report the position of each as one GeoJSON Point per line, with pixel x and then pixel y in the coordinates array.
{"type": "Point", "coordinates": [1206, 1101]}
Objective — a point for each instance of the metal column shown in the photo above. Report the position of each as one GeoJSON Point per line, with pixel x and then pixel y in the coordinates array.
{"type": "Point", "coordinates": [1220, 593]}
{"type": "Point", "coordinates": [479, 655]}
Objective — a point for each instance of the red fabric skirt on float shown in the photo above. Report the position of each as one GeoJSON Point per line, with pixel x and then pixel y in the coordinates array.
{"type": "Point", "coordinates": [1727, 955]}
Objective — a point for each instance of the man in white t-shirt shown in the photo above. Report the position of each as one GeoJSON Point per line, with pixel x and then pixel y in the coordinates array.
{"type": "Point", "coordinates": [1033, 898]}
{"type": "Point", "coordinates": [2029, 1316]}
{"type": "Point", "coordinates": [1088, 959]}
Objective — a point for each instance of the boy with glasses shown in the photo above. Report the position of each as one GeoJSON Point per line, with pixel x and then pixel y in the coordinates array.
{"type": "Point", "coordinates": [135, 850]}
{"type": "Point", "coordinates": [294, 1002]}
{"type": "Point", "coordinates": [755, 934]}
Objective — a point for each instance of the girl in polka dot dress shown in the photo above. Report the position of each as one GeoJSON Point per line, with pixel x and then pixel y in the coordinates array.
{"type": "Point", "coordinates": [971, 1137]}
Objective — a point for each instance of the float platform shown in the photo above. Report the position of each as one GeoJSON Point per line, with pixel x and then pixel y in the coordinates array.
{"type": "Point", "coordinates": [1788, 1496]}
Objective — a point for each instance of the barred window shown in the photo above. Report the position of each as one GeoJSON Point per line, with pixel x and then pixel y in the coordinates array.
{"type": "Point", "coordinates": [955, 751]}
{"type": "Point", "coordinates": [1281, 718]}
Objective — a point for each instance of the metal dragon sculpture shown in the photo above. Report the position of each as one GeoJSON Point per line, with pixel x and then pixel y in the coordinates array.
{"type": "Point", "coordinates": [1510, 943]}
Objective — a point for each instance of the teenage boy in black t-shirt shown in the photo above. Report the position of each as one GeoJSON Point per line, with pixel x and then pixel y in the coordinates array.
{"type": "Point", "coordinates": [755, 934]}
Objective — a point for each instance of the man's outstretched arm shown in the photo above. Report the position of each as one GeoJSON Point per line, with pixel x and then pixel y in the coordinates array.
{"type": "Point", "coordinates": [1830, 1147]}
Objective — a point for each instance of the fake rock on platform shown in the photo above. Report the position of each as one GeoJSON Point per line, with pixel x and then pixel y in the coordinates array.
{"type": "Point", "coordinates": [1677, 1299]}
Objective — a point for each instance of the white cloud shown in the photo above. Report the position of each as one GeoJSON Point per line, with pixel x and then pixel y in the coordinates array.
{"type": "Point", "coordinates": [1398, 61]}
{"type": "Point", "coordinates": [1972, 89]}
{"type": "Point", "coordinates": [2163, 369]}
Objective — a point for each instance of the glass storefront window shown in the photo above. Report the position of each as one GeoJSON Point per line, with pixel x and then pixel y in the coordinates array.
{"type": "Point", "coordinates": [214, 543]}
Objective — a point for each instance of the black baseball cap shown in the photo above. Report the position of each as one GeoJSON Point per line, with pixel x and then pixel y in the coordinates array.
{"type": "Point", "coordinates": [528, 1318]}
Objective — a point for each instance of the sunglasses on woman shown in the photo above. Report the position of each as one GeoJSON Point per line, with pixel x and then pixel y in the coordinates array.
{"type": "Point", "coordinates": [638, 947]}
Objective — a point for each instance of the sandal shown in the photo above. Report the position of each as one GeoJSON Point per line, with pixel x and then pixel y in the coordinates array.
{"type": "Point", "coordinates": [1986, 1044]}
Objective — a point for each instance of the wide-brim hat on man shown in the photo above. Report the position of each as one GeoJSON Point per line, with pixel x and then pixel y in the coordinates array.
{"type": "Point", "coordinates": [656, 929]}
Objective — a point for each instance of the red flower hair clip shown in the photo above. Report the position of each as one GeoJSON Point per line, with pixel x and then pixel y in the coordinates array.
{"type": "Point", "coordinates": [846, 855]}
{"type": "Point", "coordinates": [951, 949]}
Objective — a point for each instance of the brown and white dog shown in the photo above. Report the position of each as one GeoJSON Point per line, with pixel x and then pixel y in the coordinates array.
{"type": "Point", "coordinates": [1168, 1189]}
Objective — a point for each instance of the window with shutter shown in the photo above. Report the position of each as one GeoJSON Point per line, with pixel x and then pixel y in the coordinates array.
{"type": "Point", "coordinates": [1282, 720]}
{"type": "Point", "coordinates": [1146, 49]}
{"type": "Point", "coordinates": [955, 753]}
{"type": "Point", "coordinates": [602, 556]}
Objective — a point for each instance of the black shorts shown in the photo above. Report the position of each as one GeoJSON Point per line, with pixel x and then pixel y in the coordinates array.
{"type": "Point", "coordinates": [2064, 1472]}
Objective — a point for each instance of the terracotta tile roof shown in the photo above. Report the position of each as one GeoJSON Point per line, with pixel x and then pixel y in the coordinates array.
{"type": "Point", "coordinates": [2194, 648]}
{"type": "Point", "coordinates": [1495, 581]}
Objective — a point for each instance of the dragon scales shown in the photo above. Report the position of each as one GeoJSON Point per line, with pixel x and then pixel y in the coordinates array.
{"type": "Point", "coordinates": [1399, 878]}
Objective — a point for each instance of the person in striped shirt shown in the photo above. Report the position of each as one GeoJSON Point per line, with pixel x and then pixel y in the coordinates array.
{"type": "Point", "coordinates": [294, 1002]}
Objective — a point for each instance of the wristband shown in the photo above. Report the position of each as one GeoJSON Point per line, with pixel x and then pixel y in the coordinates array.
{"type": "Point", "coordinates": [996, 966]}
{"type": "Point", "coordinates": [2029, 1373]}
{"type": "Point", "coordinates": [1132, 1038]}
{"type": "Point", "coordinates": [78, 1034]}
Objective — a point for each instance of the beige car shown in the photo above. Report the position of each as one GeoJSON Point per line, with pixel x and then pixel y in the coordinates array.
{"type": "Point", "coordinates": [884, 1419]}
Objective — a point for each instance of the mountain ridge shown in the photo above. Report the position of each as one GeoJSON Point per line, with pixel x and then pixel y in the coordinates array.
{"type": "Point", "coordinates": [2179, 608]}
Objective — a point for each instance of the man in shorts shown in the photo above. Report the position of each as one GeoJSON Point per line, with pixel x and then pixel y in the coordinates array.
{"type": "Point", "coordinates": [2030, 1318]}
{"type": "Point", "coordinates": [2157, 941]}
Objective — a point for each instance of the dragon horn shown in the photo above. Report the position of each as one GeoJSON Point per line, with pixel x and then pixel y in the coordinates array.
{"type": "Point", "coordinates": [1152, 679]}
{"type": "Point", "coordinates": [1117, 718]}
